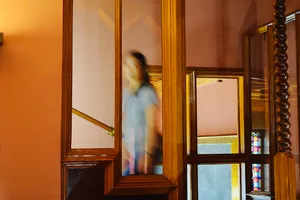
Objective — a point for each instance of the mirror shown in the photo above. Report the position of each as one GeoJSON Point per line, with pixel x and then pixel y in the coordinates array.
{"type": "Point", "coordinates": [93, 74]}
{"type": "Point", "coordinates": [142, 90]}
{"type": "Point", "coordinates": [260, 111]}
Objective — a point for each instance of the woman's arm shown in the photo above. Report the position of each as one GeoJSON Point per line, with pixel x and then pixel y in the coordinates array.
{"type": "Point", "coordinates": [151, 129]}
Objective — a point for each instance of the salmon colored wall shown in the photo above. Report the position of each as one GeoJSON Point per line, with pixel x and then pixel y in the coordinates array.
{"type": "Point", "coordinates": [214, 31]}
{"type": "Point", "coordinates": [217, 108]}
{"type": "Point", "coordinates": [30, 99]}
{"type": "Point", "coordinates": [265, 9]}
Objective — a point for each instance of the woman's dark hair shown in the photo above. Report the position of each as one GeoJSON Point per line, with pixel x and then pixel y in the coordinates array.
{"type": "Point", "coordinates": [143, 64]}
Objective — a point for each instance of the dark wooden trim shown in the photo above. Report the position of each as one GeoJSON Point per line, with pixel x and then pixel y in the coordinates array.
{"type": "Point", "coordinates": [67, 78]}
{"type": "Point", "coordinates": [298, 79]}
{"type": "Point", "coordinates": [272, 130]}
{"type": "Point", "coordinates": [214, 71]}
{"type": "Point", "coordinates": [193, 133]}
{"type": "Point", "coordinates": [216, 135]}
{"type": "Point", "coordinates": [94, 155]}
{"type": "Point", "coordinates": [194, 181]}
{"type": "Point", "coordinates": [211, 71]}
{"type": "Point", "coordinates": [228, 158]}
{"type": "Point", "coordinates": [141, 185]}
{"type": "Point", "coordinates": [113, 172]}
{"type": "Point", "coordinates": [247, 111]}
{"type": "Point", "coordinates": [193, 114]}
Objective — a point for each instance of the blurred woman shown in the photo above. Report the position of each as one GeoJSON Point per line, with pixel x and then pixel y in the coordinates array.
{"type": "Point", "coordinates": [139, 107]}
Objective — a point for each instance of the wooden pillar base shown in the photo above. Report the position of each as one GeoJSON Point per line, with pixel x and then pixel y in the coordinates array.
{"type": "Point", "coordinates": [285, 176]}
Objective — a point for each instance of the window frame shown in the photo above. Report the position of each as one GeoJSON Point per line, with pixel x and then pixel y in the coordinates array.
{"type": "Point", "coordinates": [193, 158]}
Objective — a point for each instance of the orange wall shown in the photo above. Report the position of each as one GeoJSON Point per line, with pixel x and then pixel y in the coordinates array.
{"type": "Point", "coordinates": [30, 99]}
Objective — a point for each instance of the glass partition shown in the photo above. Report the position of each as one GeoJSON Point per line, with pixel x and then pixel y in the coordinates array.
{"type": "Point", "coordinates": [93, 87]}
{"type": "Point", "coordinates": [142, 88]}
{"type": "Point", "coordinates": [259, 72]}
{"type": "Point", "coordinates": [218, 115]}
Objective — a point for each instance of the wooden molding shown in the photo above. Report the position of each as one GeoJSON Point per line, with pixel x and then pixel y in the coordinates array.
{"type": "Point", "coordinates": [1, 39]}
{"type": "Point", "coordinates": [272, 134]}
{"type": "Point", "coordinates": [174, 95]}
{"type": "Point", "coordinates": [298, 73]}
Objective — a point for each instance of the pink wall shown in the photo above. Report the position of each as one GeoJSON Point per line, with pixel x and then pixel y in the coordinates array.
{"type": "Point", "coordinates": [217, 108]}
{"type": "Point", "coordinates": [265, 9]}
{"type": "Point", "coordinates": [30, 103]}
{"type": "Point", "coordinates": [214, 31]}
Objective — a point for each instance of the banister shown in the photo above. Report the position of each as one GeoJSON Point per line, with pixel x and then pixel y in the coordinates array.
{"type": "Point", "coordinates": [110, 129]}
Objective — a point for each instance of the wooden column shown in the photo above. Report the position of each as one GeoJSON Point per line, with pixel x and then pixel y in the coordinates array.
{"type": "Point", "coordinates": [174, 81]}
{"type": "Point", "coordinates": [284, 161]}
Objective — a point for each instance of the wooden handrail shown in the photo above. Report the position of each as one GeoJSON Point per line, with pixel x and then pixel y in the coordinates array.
{"type": "Point", "coordinates": [94, 121]}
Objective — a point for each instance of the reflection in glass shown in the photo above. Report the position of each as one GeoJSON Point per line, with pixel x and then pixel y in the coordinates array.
{"type": "Point", "coordinates": [218, 103]}
{"type": "Point", "coordinates": [93, 73]}
{"type": "Point", "coordinates": [189, 182]}
{"type": "Point", "coordinates": [140, 138]}
{"type": "Point", "coordinates": [260, 88]}
{"type": "Point", "coordinates": [74, 175]}
{"type": "Point", "coordinates": [141, 123]}
{"type": "Point", "coordinates": [217, 182]}
{"type": "Point", "coordinates": [260, 177]}
{"type": "Point", "coordinates": [256, 177]}
{"type": "Point", "coordinates": [256, 141]}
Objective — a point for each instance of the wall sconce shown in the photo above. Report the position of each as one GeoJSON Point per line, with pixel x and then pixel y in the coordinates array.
{"type": "Point", "coordinates": [1, 39]}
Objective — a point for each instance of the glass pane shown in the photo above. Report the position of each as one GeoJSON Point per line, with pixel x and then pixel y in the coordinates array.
{"type": "Point", "coordinates": [216, 182]}
{"type": "Point", "coordinates": [188, 114]}
{"type": "Point", "coordinates": [259, 88]}
{"type": "Point", "coordinates": [292, 70]}
{"type": "Point", "coordinates": [142, 89]}
{"type": "Point", "coordinates": [257, 137]}
{"type": "Point", "coordinates": [82, 180]}
{"type": "Point", "coordinates": [74, 175]}
{"type": "Point", "coordinates": [218, 115]}
{"type": "Point", "coordinates": [260, 178]}
{"type": "Point", "coordinates": [93, 73]}
{"type": "Point", "coordinates": [189, 182]}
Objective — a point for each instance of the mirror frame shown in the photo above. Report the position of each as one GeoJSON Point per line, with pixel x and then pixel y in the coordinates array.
{"type": "Point", "coordinates": [174, 163]}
